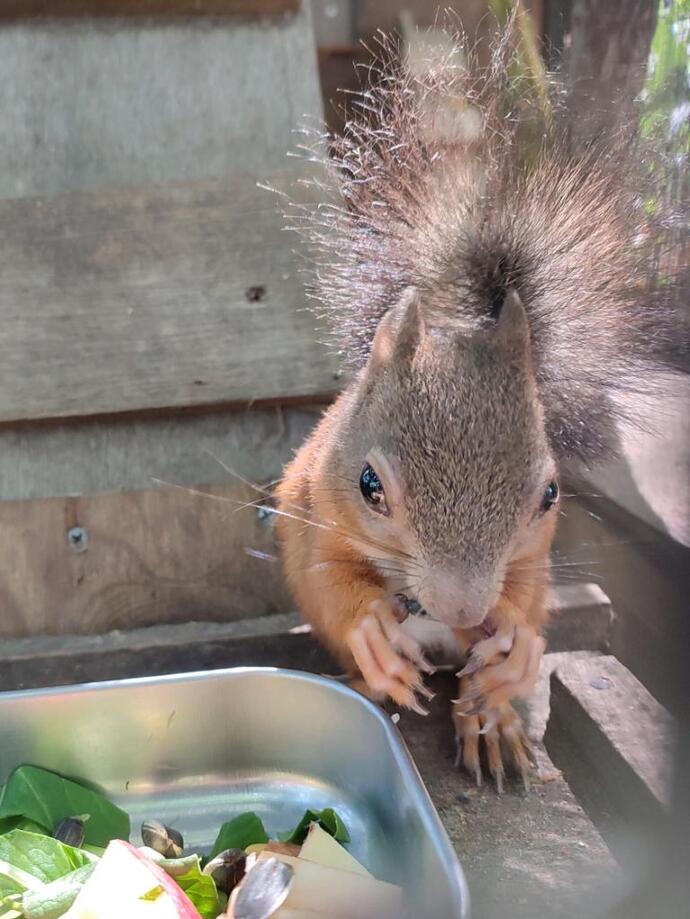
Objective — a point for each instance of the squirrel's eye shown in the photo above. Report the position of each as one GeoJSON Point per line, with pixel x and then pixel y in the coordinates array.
{"type": "Point", "coordinates": [550, 496]}
{"type": "Point", "coordinates": [372, 489]}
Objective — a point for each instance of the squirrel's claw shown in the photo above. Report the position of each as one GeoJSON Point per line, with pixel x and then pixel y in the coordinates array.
{"type": "Point", "coordinates": [512, 676]}
{"type": "Point", "coordinates": [500, 730]}
{"type": "Point", "coordinates": [389, 659]}
{"type": "Point", "coordinates": [467, 749]}
{"type": "Point", "coordinates": [473, 663]}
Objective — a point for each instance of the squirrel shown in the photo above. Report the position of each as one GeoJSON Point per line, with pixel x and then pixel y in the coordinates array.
{"type": "Point", "coordinates": [496, 294]}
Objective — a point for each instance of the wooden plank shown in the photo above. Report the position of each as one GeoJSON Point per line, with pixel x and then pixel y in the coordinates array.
{"type": "Point", "coordinates": [123, 101]}
{"type": "Point", "coordinates": [333, 23]}
{"type": "Point", "coordinates": [14, 9]}
{"type": "Point", "coordinates": [629, 736]}
{"type": "Point", "coordinates": [647, 577]}
{"type": "Point", "coordinates": [270, 641]}
{"type": "Point", "coordinates": [146, 558]}
{"type": "Point", "coordinates": [650, 477]}
{"type": "Point", "coordinates": [179, 295]}
{"type": "Point", "coordinates": [76, 458]}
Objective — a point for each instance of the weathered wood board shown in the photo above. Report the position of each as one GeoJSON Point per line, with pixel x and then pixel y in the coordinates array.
{"type": "Point", "coordinates": [73, 458]}
{"type": "Point", "coordinates": [11, 9]}
{"type": "Point", "coordinates": [95, 102]}
{"type": "Point", "coordinates": [179, 295]}
{"type": "Point", "coordinates": [165, 555]}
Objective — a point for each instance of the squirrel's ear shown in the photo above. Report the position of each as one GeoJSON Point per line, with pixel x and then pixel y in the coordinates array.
{"type": "Point", "coordinates": [511, 332]}
{"type": "Point", "coordinates": [399, 332]}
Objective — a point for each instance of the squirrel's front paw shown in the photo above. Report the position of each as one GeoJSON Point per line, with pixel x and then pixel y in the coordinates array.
{"type": "Point", "coordinates": [499, 727]}
{"type": "Point", "coordinates": [501, 668]}
{"type": "Point", "coordinates": [498, 669]}
{"type": "Point", "coordinates": [388, 658]}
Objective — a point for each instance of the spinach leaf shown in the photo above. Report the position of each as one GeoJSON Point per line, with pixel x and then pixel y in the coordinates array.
{"type": "Point", "coordinates": [327, 818]}
{"type": "Point", "coordinates": [177, 866]}
{"type": "Point", "coordinates": [46, 798]}
{"type": "Point", "coordinates": [201, 890]}
{"type": "Point", "coordinates": [21, 823]}
{"type": "Point", "coordinates": [41, 856]}
{"type": "Point", "coordinates": [243, 831]}
{"type": "Point", "coordinates": [11, 907]}
{"type": "Point", "coordinates": [14, 880]}
{"type": "Point", "coordinates": [9, 885]}
{"type": "Point", "coordinates": [54, 899]}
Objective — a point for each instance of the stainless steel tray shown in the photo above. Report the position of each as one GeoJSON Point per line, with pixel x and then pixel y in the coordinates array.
{"type": "Point", "coordinates": [196, 749]}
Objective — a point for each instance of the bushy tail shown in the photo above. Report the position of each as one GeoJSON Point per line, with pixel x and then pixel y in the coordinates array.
{"type": "Point", "coordinates": [462, 184]}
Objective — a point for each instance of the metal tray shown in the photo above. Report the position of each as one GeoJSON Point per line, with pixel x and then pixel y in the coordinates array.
{"type": "Point", "coordinates": [196, 749]}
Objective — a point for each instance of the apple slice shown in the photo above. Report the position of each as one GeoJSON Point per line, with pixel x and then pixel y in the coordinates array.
{"type": "Point", "coordinates": [320, 847]}
{"type": "Point", "coordinates": [337, 894]}
{"type": "Point", "coordinates": [126, 883]}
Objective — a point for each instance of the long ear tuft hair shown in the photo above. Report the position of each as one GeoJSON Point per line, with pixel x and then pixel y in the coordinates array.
{"type": "Point", "coordinates": [460, 182]}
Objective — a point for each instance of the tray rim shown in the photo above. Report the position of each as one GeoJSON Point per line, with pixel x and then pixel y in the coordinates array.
{"type": "Point", "coordinates": [451, 863]}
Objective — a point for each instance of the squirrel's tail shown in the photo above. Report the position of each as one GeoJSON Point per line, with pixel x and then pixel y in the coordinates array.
{"type": "Point", "coordinates": [460, 185]}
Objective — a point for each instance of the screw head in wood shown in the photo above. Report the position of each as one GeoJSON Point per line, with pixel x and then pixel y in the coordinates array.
{"type": "Point", "coordinates": [78, 539]}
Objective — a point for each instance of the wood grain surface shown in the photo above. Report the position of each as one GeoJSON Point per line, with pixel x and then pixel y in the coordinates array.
{"type": "Point", "coordinates": [155, 297]}
{"type": "Point", "coordinates": [12, 9]}
{"type": "Point", "coordinates": [158, 556]}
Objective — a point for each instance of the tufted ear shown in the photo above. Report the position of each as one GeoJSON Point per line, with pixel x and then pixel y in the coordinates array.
{"type": "Point", "coordinates": [399, 333]}
{"type": "Point", "coordinates": [511, 333]}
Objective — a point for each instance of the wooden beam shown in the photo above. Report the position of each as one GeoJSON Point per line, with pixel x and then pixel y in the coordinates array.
{"type": "Point", "coordinates": [24, 9]}
{"type": "Point", "coordinates": [63, 459]}
{"type": "Point", "coordinates": [92, 564]}
{"type": "Point", "coordinates": [150, 298]}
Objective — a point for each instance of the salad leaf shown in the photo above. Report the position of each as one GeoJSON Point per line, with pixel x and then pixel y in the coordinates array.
{"type": "Point", "coordinates": [54, 899]}
{"type": "Point", "coordinates": [177, 866]}
{"type": "Point", "coordinates": [41, 856]}
{"type": "Point", "coordinates": [14, 880]}
{"type": "Point", "coordinates": [10, 907]}
{"type": "Point", "coordinates": [94, 850]}
{"type": "Point", "coordinates": [9, 885]}
{"type": "Point", "coordinates": [243, 831]}
{"type": "Point", "coordinates": [21, 823]}
{"type": "Point", "coordinates": [46, 798]}
{"type": "Point", "coordinates": [328, 819]}
{"type": "Point", "coordinates": [201, 890]}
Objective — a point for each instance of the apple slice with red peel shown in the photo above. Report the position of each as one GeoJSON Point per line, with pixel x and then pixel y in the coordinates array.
{"type": "Point", "coordinates": [126, 883]}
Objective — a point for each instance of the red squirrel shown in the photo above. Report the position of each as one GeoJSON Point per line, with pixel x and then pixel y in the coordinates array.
{"type": "Point", "coordinates": [492, 294]}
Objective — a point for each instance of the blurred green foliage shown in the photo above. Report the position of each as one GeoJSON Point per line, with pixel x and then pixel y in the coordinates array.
{"type": "Point", "coordinates": [666, 93]}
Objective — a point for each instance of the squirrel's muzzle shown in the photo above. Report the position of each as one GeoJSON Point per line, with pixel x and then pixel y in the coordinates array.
{"type": "Point", "coordinates": [456, 600]}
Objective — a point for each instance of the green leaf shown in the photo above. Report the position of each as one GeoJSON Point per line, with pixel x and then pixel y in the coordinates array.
{"type": "Point", "coordinates": [10, 907]}
{"type": "Point", "coordinates": [15, 880]}
{"type": "Point", "coordinates": [199, 887]}
{"type": "Point", "coordinates": [41, 856]}
{"type": "Point", "coordinates": [46, 798]}
{"type": "Point", "coordinates": [328, 819]}
{"type": "Point", "coordinates": [177, 866]}
{"type": "Point", "coordinates": [9, 885]}
{"type": "Point", "coordinates": [94, 850]}
{"type": "Point", "coordinates": [21, 823]}
{"type": "Point", "coordinates": [245, 830]}
{"type": "Point", "coordinates": [201, 890]}
{"type": "Point", "coordinates": [54, 899]}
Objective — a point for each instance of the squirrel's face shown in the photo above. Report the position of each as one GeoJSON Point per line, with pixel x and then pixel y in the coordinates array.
{"type": "Point", "coordinates": [454, 485]}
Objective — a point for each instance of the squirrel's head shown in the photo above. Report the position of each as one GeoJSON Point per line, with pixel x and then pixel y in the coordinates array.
{"type": "Point", "coordinates": [445, 464]}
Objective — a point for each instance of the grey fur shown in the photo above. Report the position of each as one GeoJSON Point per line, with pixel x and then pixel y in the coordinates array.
{"type": "Point", "coordinates": [462, 221]}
